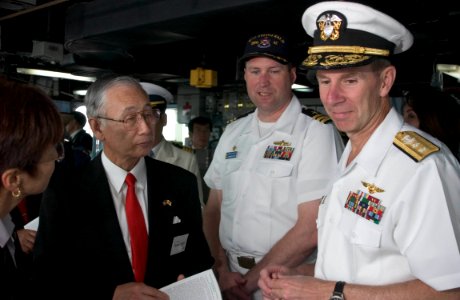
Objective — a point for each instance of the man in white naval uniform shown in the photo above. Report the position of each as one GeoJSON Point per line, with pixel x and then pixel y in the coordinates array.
{"type": "Point", "coordinates": [164, 150]}
{"type": "Point", "coordinates": [269, 171]}
{"type": "Point", "coordinates": [390, 226]}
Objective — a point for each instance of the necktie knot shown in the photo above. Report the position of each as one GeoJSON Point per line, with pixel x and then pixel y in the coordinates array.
{"type": "Point", "coordinates": [130, 180]}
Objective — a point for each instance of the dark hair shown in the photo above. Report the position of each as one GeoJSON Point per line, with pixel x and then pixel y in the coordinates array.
{"type": "Point", "coordinates": [29, 122]}
{"type": "Point", "coordinates": [79, 118]}
{"type": "Point", "coordinates": [201, 121]}
{"type": "Point", "coordinates": [438, 113]}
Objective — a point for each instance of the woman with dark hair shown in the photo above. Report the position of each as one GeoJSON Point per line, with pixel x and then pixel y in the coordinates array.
{"type": "Point", "coordinates": [31, 130]}
{"type": "Point", "coordinates": [435, 112]}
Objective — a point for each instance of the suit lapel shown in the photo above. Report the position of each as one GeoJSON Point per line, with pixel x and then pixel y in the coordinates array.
{"type": "Point", "coordinates": [98, 188]}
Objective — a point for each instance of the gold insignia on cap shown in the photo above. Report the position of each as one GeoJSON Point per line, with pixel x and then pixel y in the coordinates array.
{"type": "Point", "coordinates": [329, 25]}
{"type": "Point", "coordinates": [312, 60]}
{"type": "Point", "coordinates": [282, 143]}
{"type": "Point", "coordinates": [414, 145]}
{"type": "Point", "coordinates": [155, 103]}
{"type": "Point", "coordinates": [372, 188]}
{"type": "Point", "coordinates": [349, 49]}
{"type": "Point", "coordinates": [343, 60]}
{"type": "Point", "coordinates": [167, 203]}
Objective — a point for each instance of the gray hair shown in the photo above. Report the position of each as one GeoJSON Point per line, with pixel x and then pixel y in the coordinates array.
{"type": "Point", "coordinates": [95, 99]}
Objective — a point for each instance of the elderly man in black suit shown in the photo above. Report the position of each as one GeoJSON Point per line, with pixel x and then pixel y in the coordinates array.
{"type": "Point", "coordinates": [86, 242]}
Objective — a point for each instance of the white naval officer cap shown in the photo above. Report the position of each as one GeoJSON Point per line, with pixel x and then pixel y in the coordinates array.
{"type": "Point", "coordinates": [347, 34]}
{"type": "Point", "coordinates": [159, 96]}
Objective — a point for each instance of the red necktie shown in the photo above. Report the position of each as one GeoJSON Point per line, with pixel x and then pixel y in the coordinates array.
{"type": "Point", "coordinates": [22, 206]}
{"type": "Point", "coordinates": [137, 230]}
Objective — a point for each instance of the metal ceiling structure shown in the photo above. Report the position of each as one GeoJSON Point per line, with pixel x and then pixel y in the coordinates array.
{"type": "Point", "coordinates": [163, 40]}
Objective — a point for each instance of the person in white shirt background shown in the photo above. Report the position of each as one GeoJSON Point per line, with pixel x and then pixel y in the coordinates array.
{"type": "Point", "coordinates": [164, 150]}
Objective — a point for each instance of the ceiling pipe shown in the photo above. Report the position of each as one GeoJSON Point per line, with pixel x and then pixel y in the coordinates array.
{"type": "Point", "coordinates": [29, 10]}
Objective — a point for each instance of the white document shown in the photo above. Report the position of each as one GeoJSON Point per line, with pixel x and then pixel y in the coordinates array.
{"type": "Point", "coordinates": [201, 286]}
{"type": "Point", "coordinates": [32, 225]}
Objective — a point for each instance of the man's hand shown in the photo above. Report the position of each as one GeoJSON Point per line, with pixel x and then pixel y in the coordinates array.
{"type": "Point", "coordinates": [138, 291]}
{"type": "Point", "coordinates": [232, 285]}
{"type": "Point", "coordinates": [26, 239]}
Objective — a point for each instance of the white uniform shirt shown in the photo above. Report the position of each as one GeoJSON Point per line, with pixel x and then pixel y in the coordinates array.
{"type": "Point", "coordinates": [167, 152]}
{"type": "Point", "coordinates": [418, 235]}
{"type": "Point", "coordinates": [261, 194]}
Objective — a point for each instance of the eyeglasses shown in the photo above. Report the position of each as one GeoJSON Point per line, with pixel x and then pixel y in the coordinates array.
{"type": "Point", "coordinates": [150, 116]}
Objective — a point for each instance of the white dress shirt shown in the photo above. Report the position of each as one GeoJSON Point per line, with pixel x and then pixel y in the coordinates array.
{"type": "Point", "coordinates": [116, 177]}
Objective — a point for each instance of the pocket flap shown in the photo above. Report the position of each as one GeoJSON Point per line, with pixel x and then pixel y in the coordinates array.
{"type": "Point", "coordinates": [275, 169]}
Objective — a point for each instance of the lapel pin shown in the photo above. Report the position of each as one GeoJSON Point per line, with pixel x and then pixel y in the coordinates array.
{"type": "Point", "coordinates": [167, 202]}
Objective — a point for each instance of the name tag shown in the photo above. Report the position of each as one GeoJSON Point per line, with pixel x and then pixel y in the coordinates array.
{"type": "Point", "coordinates": [179, 243]}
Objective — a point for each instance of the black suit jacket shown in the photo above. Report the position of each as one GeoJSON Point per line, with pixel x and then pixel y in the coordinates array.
{"type": "Point", "coordinates": [80, 243]}
{"type": "Point", "coordinates": [83, 141]}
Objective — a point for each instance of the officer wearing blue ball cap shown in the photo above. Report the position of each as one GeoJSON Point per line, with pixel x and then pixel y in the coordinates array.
{"type": "Point", "coordinates": [269, 171]}
{"type": "Point", "coordinates": [389, 227]}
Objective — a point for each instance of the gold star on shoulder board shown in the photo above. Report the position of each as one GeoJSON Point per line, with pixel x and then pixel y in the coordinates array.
{"type": "Point", "coordinates": [372, 188]}
{"type": "Point", "coordinates": [167, 202]}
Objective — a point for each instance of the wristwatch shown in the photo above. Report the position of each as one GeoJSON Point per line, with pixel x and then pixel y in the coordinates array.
{"type": "Point", "coordinates": [338, 291]}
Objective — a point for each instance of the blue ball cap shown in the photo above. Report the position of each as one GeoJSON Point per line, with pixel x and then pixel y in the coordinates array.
{"type": "Point", "coordinates": [269, 45]}
{"type": "Point", "coordinates": [347, 34]}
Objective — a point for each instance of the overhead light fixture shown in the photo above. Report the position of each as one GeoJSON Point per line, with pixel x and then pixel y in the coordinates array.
{"type": "Point", "coordinates": [451, 70]}
{"type": "Point", "coordinates": [79, 92]}
{"type": "Point", "coordinates": [301, 88]}
{"type": "Point", "coordinates": [54, 74]}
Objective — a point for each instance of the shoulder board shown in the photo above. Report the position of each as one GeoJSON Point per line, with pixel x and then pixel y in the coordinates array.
{"type": "Point", "coordinates": [414, 145]}
{"type": "Point", "coordinates": [187, 149]}
{"type": "Point", "coordinates": [316, 115]}
{"type": "Point", "coordinates": [177, 144]}
{"type": "Point", "coordinates": [182, 147]}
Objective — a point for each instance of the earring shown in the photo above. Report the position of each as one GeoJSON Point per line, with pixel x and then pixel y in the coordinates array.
{"type": "Point", "coordinates": [17, 193]}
